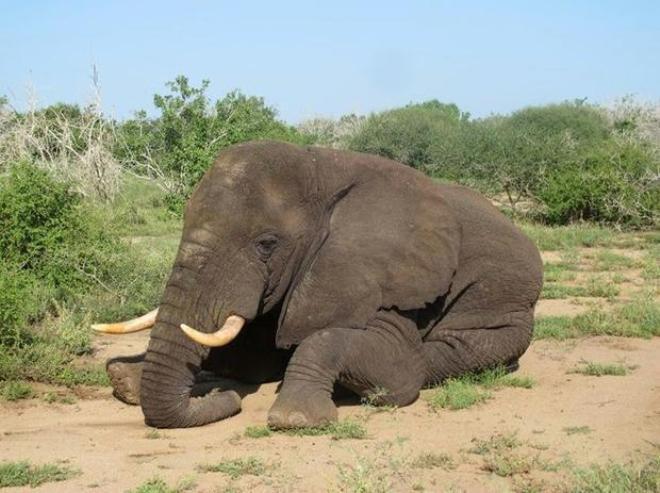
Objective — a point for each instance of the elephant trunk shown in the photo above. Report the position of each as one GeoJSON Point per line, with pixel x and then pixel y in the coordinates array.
{"type": "Point", "coordinates": [168, 375]}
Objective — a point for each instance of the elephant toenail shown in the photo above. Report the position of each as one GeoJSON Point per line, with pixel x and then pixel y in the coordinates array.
{"type": "Point", "coordinates": [297, 420]}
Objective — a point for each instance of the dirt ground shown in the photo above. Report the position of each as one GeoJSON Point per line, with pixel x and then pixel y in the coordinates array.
{"type": "Point", "coordinates": [565, 418]}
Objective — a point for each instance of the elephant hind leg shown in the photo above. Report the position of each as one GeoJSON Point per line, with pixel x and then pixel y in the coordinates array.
{"type": "Point", "coordinates": [451, 353]}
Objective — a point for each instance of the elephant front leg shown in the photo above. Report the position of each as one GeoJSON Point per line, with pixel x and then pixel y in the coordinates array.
{"type": "Point", "coordinates": [381, 362]}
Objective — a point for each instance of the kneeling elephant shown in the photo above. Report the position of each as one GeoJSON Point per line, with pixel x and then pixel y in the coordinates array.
{"type": "Point", "coordinates": [328, 267]}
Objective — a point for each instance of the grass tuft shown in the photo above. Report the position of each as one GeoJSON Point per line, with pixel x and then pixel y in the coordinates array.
{"type": "Point", "coordinates": [507, 465]}
{"type": "Point", "coordinates": [235, 468]}
{"type": "Point", "coordinates": [457, 394]}
{"type": "Point", "coordinates": [577, 430]}
{"type": "Point", "coordinates": [363, 477]}
{"type": "Point", "coordinates": [596, 288]}
{"type": "Point", "coordinates": [558, 272]}
{"type": "Point", "coordinates": [25, 474]}
{"type": "Point", "coordinates": [495, 443]}
{"type": "Point", "coordinates": [608, 261]}
{"type": "Point", "coordinates": [158, 485]}
{"type": "Point", "coordinates": [593, 369]}
{"type": "Point", "coordinates": [638, 318]}
{"type": "Point", "coordinates": [257, 432]}
{"type": "Point", "coordinates": [431, 461]}
{"type": "Point", "coordinates": [154, 434]}
{"type": "Point", "coordinates": [56, 398]}
{"type": "Point", "coordinates": [651, 265]}
{"type": "Point", "coordinates": [572, 236]}
{"type": "Point", "coordinates": [14, 391]}
{"type": "Point", "coordinates": [471, 389]}
{"type": "Point", "coordinates": [554, 291]}
{"type": "Point", "coordinates": [617, 478]}
{"type": "Point", "coordinates": [340, 430]}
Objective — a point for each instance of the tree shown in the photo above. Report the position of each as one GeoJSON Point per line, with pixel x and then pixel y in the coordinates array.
{"type": "Point", "coordinates": [181, 143]}
{"type": "Point", "coordinates": [409, 134]}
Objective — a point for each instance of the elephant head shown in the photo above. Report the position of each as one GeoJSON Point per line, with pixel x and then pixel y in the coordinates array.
{"type": "Point", "coordinates": [322, 237]}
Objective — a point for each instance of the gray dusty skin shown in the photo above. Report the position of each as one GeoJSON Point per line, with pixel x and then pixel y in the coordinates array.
{"type": "Point", "coordinates": [351, 270]}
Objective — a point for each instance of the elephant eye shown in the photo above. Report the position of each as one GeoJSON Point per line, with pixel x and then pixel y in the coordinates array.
{"type": "Point", "coordinates": [265, 246]}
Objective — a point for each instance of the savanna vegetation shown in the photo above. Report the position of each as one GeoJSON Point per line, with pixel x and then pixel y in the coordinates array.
{"type": "Point", "coordinates": [90, 207]}
{"type": "Point", "coordinates": [90, 217]}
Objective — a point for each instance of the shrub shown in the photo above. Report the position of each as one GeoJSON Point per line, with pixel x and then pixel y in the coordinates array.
{"type": "Point", "coordinates": [60, 262]}
{"type": "Point", "coordinates": [20, 301]}
{"type": "Point", "coordinates": [412, 135]}
{"type": "Point", "coordinates": [568, 159]}
{"type": "Point", "coordinates": [48, 234]}
{"type": "Point", "coordinates": [14, 391]}
{"type": "Point", "coordinates": [614, 184]}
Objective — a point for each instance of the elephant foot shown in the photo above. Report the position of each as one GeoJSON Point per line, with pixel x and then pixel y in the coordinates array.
{"type": "Point", "coordinates": [301, 409]}
{"type": "Point", "coordinates": [125, 380]}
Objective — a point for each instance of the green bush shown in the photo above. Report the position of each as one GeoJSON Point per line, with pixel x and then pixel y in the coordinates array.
{"type": "Point", "coordinates": [513, 154]}
{"type": "Point", "coordinates": [614, 184]}
{"type": "Point", "coordinates": [413, 135]}
{"type": "Point", "coordinates": [585, 125]}
{"type": "Point", "coordinates": [48, 234]}
{"type": "Point", "coordinates": [22, 299]}
{"type": "Point", "coordinates": [62, 261]}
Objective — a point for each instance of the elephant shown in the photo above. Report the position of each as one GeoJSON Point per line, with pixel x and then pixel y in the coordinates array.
{"type": "Point", "coordinates": [322, 268]}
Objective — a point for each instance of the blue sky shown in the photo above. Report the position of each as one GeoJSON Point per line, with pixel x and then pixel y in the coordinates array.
{"type": "Point", "coordinates": [311, 58]}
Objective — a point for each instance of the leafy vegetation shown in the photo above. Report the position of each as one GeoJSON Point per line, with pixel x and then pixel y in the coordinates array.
{"type": "Point", "coordinates": [412, 135]}
{"type": "Point", "coordinates": [90, 208]}
{"type": "Point", "coordinates": [181, 143]}
{"type": "Point", "coordinates": [62, 261]}
{"type": "Point", "coordinates": [14, 391]}
{"type": "Point", "coordinates": [570, 160]}
{"type": "Point", "coordinates": [25, 474]}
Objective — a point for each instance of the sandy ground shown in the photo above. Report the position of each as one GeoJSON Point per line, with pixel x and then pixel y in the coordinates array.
{"type": "Point", "coordinates": [109, 443]}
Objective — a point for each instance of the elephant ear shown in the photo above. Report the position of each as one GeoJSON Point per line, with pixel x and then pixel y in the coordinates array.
{"type": "Point", "coordinates": [389, 240]}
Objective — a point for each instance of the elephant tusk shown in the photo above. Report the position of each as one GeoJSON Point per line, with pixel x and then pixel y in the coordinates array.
{"type": "Point", "coordinates": [141, 323]}
{"type": "Point", "coordinates": [223, 336]}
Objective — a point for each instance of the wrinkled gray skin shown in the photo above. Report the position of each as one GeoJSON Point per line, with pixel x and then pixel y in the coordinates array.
{"type": "Point", "coordinates": [350, 269]}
